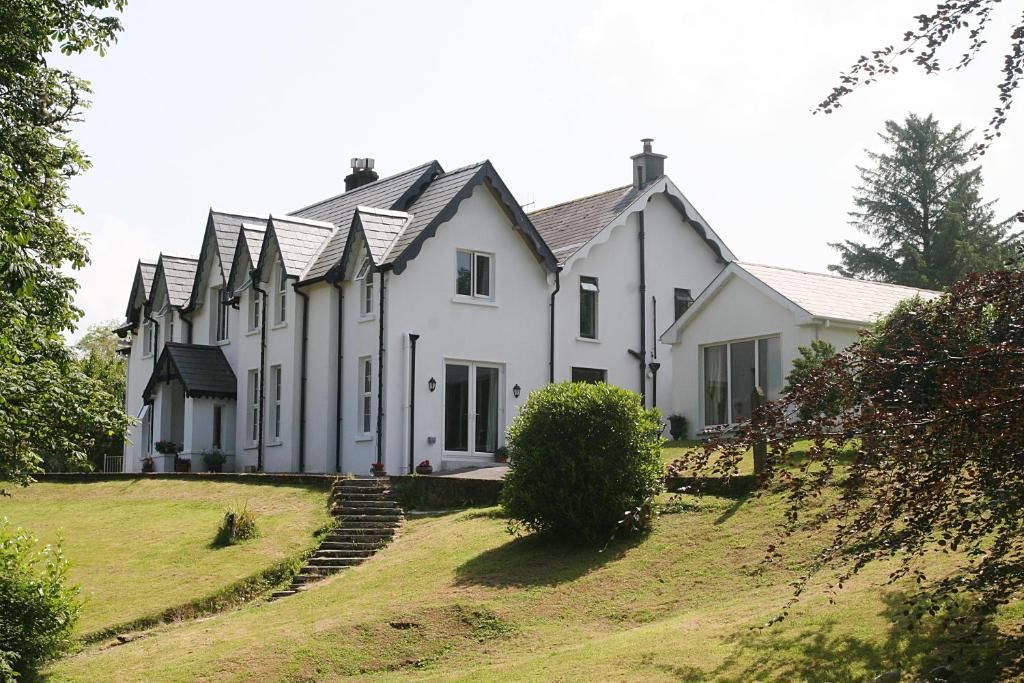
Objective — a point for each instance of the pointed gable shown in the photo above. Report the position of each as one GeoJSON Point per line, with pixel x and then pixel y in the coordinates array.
{"type": "Point", "coordinates": [175, 275]}
{"type": "Point", "coordinates": [297, 240]}
{"type": "Point", "coordinates": [142, 287]}
{"type": "Point", "coordinates": [246, 255]}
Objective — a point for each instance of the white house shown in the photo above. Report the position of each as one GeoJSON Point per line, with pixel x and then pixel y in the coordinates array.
{"type": "Point", "coordinates": [405, 319]}
{"type": "Point", "coordinates": [748, 325]}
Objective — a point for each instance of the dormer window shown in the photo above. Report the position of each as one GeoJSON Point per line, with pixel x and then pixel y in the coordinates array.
{"type": "Point", "coordinates": [147, 338]}
{"type": "Point", "coordinates": [282, 296]}
{"type": "Point", "coordinates": [255, 310]}
{"type": "Point", "coordinates": [474, 274]}
{"type": "Point", "coordinates": [169, 324]}
{"type": "Point", "coordinates": [222, 315]}
{"type": "Point", "coordinates": [366, 293]}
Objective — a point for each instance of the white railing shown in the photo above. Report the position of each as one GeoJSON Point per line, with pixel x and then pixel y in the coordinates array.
{"type": "Point", "coordinates": [113, 463]}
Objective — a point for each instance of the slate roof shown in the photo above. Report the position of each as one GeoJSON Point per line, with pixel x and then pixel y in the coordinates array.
{"type": "Point", "coordinates": [834, 297]}
{"type": "Point", "coordinates": [381, 229]}
{"type": "Point", "coordinates": [147, 271]}
{"type": "Point", "coordinates": [299, 240]}
{"type": "Point", "coordinates": [250, 244]}
{"type": "Point", "coordinates": [566, 227]}
{"type": "Point", "coordinates": [254, 242]}
{"type": "Point", "coordinates": [228, 225]}
{"type": "Point", "coordinates": [179, 273]}
{"type": "Point", "coordinates": [393, 192]}
{"type": "Point", "coordinates": [203, 370]}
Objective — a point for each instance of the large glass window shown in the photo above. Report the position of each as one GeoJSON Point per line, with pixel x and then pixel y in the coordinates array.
{"type": "Point", "coordinates": [730, 373]}
{"type": "Point", "coordinates": [486, 409]}
{"type": "Point", "coordinates": [474, 274]}
{"type": "Point", "coordinates": [588, 307]}
{"type": "Point", "coordinates": [456, 407]}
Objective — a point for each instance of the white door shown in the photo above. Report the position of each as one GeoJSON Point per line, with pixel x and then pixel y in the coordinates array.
{"type": "Point", "coordinates": [473, 410]}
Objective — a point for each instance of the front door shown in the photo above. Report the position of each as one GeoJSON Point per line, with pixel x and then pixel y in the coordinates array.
{"type": "Point", "coordinates": [473, 413]}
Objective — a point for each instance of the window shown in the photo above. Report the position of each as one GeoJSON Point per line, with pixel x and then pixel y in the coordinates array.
{"type": "Point", "coordinates": [474, 274]}
{"type": "Point", "coordinates": [681, 301]}
{"type": "Point", "coordinates": [253, 416]}
{"type": "Point", "coordinates": [147, 339]}
{"type": "Point", "coordinates": [730, 372]}
{"type": "Point", "coordinates": [255, 309]}
{"type": "Point", "coordinates": [169, 323]}
{"type": "Point", "coordinates": [366, 298]}
{"type": "Point", "coordinates": [588, 307]}
{"type": "Point", "coordinates": [222, 315]}
{"type": "Point", "coordinates": [146, 418]}
{"type": "Point", "coordinates": [275, 378]}
{"type": "Point", "coordinates": [589, 375]}
{"type": "Point", "coordinates": [365, 393]}
{"type": "Point", "coordinates": [282, 296]}
{"type": "Point", "coordinates": [218, 421]}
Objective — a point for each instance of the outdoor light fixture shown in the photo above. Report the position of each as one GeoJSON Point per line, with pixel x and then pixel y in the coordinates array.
{"type": "Point", "coordinates": [516, 390]}
{"type": "Point", "coordinates": [432, 384]}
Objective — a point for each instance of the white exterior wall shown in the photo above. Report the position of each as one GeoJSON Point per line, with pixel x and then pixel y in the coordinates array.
{"type": "Point", "coordinates": [246, 356]}
{"type": "Point", "coordinates": [140, 368]}
{"type": "Point", "coordinates": [739, 311]}
{"type": "Point", "coordinates": [676, 256]}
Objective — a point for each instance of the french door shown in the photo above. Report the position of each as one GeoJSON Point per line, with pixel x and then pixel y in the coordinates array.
{"type": "Point", "coordinates": [473, 414]}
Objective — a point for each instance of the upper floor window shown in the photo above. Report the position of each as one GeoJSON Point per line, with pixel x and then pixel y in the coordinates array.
{"type": "Point", "coordinates": [147, 338]}
{"type": "Point", "coordinates": [366, 289]}
{"type": "Point", "coordinates": [588, 307]}
{"type": "Point", "coordinates": [474, 274]}
{"type": "Point", "coordinates": [282, 296]}
{"type": "Point", "coordinates": [253, 406]}
{"type": "Point", "coordinates": [365, 393]}
{"type": "Point", "coordinates": [222, 315]}
{"type": "Point", "coordinates": [255, 309]}
{"type": "Point", "coordinates": [169, 323]}
{"type": "Point", "coordinates": [275, 379]}
{"type": "Point", "coordinates": [681, 301]}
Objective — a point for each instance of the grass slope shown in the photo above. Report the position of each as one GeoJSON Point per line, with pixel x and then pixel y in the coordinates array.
{"type": "Point", "coordinates": [142, 546]}
{"type": "Point", "coordinates": [455, 598]}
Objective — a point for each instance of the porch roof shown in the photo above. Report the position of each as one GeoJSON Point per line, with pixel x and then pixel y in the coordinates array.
{"type": "Point", "coordinates": [203, 371]}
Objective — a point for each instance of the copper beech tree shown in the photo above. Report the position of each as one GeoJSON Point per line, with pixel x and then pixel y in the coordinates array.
{"type": "Point", "coordinates": [925, 456]}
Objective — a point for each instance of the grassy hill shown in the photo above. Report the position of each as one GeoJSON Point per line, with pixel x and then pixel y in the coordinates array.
{"type": "Point", "coordinates": [456, 598]}
{"type": "Point", "coordinates": [142, 546]}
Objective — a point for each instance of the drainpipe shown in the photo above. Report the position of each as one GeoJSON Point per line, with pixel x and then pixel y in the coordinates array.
{"type": "Point", "coordinates": [412, 403]}
{"type": "Point", "coordinates": [380, 375]}
{"type": "Point", "coordinates": [551, 351]}
{"type": "Point", "coordinates": [642, 356]}
{"type": "Point", "coordinates": [302, 383]}
{"type": "Point", "coordinates": [263, 362]}
{"type": "Point", "coordinates": [337, 379]}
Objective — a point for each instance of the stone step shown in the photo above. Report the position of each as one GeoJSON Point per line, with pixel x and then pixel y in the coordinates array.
{"type": "Point", "coordinates": [378, 539]}
{"type": "Point", "coordinates": [362, 488]}
{"type": "Point", "coordinates": [343, 552]}
{"type": "Point", "coordinates": [372, 517]}
{"type": "Point", "coordinates": [329, 562]}
{"type": "Point", "coordinates": [364, 481]}
{"type": "Point", "coordinates": [372, 504]}
{"type": "Point", "coordinates": [370, 525]}
{"type": "Point", "coordinates": [371, 545]}
{"type": "Point", "coordinates": [283, 594]}
{"type": "Point", "coordinates": [363, 493]}
{"type": "Point", "coordinates": [349, 511]}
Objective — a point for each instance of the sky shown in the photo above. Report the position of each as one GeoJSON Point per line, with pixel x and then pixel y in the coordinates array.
{"type": "Point", "coordinates": [258, 106]}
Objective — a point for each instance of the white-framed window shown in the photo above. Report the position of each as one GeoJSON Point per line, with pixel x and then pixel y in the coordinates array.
{"type": "Point", "coordinates": [255, 310]}
{"type": "Point", "coordinates": [222, 315]}
{"type": "Point", "coordinates": [729, 373]}
{"type": "Point", "coordinates": [282, 296]}
{"type": "Point", "coordinates": [275, 379]}
{"type": "Point", "coordinates": [169, 325]}
{"type": "Point", "coordinates": [474, 274]}
{"type": "Point", "coordinates": [218, 427]}
{"type": "Point", "coordinates": [253, 406]}
{"type": "Point", "coordinates": [365, 277]}
{"type": "Point", "coordinates": [146, 418]}
{"type": "Point", "coordinates": [588, 307]}
{"type": "Point", "coordinates": [681, 300]}
{"type": "Point", "coordinates": [365, 394]}
{"type": "Point", "coordinates": [147, 338]}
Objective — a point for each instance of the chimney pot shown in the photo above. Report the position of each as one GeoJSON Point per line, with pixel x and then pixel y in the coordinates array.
{"type": "Point", "coordinates": [647, 166]}
{"type": "Point", "coordinates": [362, 173]}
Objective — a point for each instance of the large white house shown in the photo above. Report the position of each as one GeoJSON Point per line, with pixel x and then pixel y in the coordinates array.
{"type": "Point", "coordinates": [409, 317]}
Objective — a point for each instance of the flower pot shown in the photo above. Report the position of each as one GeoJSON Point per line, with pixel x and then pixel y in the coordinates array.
{"type": "Point", "coordinates": [377, 469]}
{"type": "Point", "coordinates": [424, 469]}
{"type": "Point", "coordinates": [181, 465]}
{"type": "Point", "coordinates": [147, 467]}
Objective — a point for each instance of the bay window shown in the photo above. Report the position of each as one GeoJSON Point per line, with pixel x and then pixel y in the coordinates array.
{"type": "Point", "coordinates": [730, 372]}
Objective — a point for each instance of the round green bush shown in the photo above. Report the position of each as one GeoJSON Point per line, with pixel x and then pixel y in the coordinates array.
{"type": "Point", "coordinates": [580, 456]}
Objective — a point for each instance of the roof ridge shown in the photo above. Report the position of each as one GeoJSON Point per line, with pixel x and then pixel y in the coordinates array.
{"type": "Point", "coordinates": [394, 213]}
{"type": "Point", "coordinates": [579, 199]}
{"type": "Point", "coordinates": [361, 187]}
{"type": "Point", "coordinates": [467, 167]}
{"type": "Point", "coordinates": [312, 222]}
{"type": "Point", "coordinates": [180, 258]}
{"type": "Point", "coordinates": [239, 214]}
{"type": "Point", "coordinates": [836, 277]}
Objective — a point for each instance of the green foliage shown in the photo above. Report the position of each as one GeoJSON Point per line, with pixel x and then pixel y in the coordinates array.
{"type": "Point", "coordinates": [922, 205]}
{"type": "Point", "coordinates": [581, 455]}
{"type": "Point", "coordinates": [38, 608]}
{"type": "Point", "coordinates": [805, 368]}
{"type": "Point", "coordinates": [48, 406]}
{"type": "Point", "coordinates": [239, 525]}
{"type": "Point", "coordinates": [678, 427]}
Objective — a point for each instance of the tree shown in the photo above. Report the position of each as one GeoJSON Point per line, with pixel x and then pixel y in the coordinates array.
{"type": "Point", "coordinates": [922, 204]}
{"type": "Point", "coordinates": [921, 45]}
{"type": "Point", "coordinates": [929, 460]}
{"type": "Point", "coordinates": [47, 405]}
{"type": "Point", "coordinates": [811, 359]}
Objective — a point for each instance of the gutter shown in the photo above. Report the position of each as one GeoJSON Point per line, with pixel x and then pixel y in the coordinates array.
{"type": "Point", "coordinates": [412, 403]}
{"type": "Point", "coordinates": [337, 380]}
{"type": "Point", "coordinates": [551, 351]}
{"type": "Point", "coordinates": [302, 385]}
{"type": "Point", "coordinates": [263, 362]}
{"type": "Point", "coordinates": [380, 375]}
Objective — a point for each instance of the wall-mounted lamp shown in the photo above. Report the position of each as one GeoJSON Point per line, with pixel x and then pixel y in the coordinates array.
{"type": "Point", "coordinates": [432, 384]}
{"type": "Point", "coordinates": [516, 390]}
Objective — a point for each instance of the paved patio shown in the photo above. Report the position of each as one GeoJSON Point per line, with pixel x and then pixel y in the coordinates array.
{"type": "Point", "coordinates": [494, 472]}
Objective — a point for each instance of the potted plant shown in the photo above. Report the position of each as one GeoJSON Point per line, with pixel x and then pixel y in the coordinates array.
{"type": "Point", "coordinates": [182, 464]}
{"type": "Point", "coordinates": [147, 464]}
{"type": "Point", "coordinates": [424, 467]}
{"type": "Point", "coordinates": [214, 460]}
{"type": "Point", "coordinates": [167, 447]}
{"type": "Point", "coordinates": [677, 427]}
{"type": "Point", "coordinates": [501, 455]}
{"type": "Point", "coordinates": [377, 469]}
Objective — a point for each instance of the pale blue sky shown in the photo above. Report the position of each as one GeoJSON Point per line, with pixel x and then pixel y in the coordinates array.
{"type": "Point", "coordinates": [258, 106]}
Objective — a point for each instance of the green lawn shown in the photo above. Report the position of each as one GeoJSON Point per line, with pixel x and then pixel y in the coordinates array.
{"type": "Point", "coordinates": [142, 546]}
{"type": "Point", "coordinates": [456, 598]}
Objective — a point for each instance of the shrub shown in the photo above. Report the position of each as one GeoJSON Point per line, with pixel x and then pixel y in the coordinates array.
{"type": "Point", "coordinates": [581, 455]}
{"type": "Point", "coordinates": [239, 525]}
{"type": "Point", "coordinates": [38, 608]}
{"type": "Point", "coordinates": [678, 427]}
{"type": "Point", "coordinates": [805, 373]}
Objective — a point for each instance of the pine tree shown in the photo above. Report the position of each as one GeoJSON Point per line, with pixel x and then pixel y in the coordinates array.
{"type": "Point", "coordinates": [922, 205]}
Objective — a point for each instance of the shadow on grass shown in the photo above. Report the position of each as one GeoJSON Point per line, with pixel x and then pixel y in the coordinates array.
{"type": "Point", "coordinates": [828, 653]}
{"type": "Point", "coordinates": [531, 561]}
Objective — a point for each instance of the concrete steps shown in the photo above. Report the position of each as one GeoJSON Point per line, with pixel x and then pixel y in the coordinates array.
{"type": "Point", "coordinates": [367, 517]}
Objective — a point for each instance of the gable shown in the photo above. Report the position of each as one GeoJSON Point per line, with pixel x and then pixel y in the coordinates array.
{"type": "Point", "coordinates": [295, 241]}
